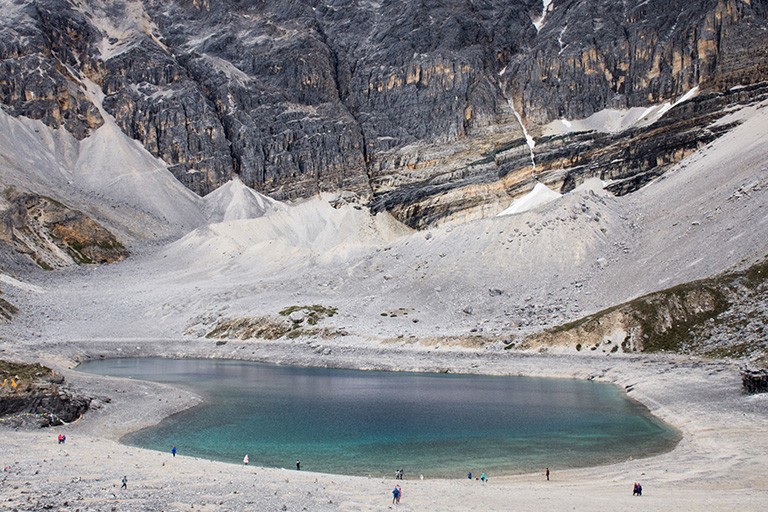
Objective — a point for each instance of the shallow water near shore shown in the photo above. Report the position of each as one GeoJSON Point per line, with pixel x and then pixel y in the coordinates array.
{"type": "Point", "coordinates": [371, 423]}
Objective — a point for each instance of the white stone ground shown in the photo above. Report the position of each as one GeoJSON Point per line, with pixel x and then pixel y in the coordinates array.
{"type": "Point", "coordinates": [719, 464]}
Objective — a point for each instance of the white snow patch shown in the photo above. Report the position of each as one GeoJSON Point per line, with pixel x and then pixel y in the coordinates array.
{"type": "Point", "coordinates": [528, 138]}
{"type": "Point", "coordinates": [615, 120]}
{"type": "Point", "coordinates": [540, 195]}
{"type": "Point", "coordinates": [539, 22]}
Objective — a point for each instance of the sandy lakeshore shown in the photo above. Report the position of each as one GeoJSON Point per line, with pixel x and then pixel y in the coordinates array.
{"type": "Point", "coordinates": [719, 464]}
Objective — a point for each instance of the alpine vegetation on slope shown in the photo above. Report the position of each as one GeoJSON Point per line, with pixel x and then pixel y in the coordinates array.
{"type": "Point", "coordinates": [723, 316]}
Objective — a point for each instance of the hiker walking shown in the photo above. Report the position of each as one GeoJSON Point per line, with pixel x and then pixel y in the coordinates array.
{"type": "Point", "coordinates": [125, 482]}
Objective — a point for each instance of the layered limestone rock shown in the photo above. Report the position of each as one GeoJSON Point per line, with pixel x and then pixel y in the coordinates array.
{"type": "Point", "coordinates": [55, 236]}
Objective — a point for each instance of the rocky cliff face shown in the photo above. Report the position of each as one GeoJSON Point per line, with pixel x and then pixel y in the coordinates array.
{"type": "Point", "coordinates": [412, 105]}
{"type": "Point", "coordinates": [596, 54]}
{"type": "Point", "coordinates": [45, 50]}
{"type": "Point", "coordinates": [53, 235]}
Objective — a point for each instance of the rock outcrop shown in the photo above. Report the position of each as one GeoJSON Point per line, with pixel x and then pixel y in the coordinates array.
{"type": "Point", "coordinates": [754, 380]}
{"type": "Point", "coordinates": [7, 310]}
{"type": "Point", "coordinates": [55, 236]}
{"type": "Point", "coordinates": [723, 316]}
{"type": "Point", "coordinates": [33, 395]}
{"type": "Point", "coordinates": [47, 48]}
{"type": "Point", "coordinates": [597, 54]}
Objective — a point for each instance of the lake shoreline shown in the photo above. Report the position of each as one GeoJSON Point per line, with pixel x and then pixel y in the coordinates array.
{"type": "Point", "coordinates": [566, 417]}
{"type": "Point", "coordinates": [716, 466]}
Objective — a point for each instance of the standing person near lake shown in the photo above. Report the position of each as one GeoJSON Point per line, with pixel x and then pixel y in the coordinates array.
{"type": "Point", "coordinates": [547, 473]}
{"type": "Point", "coordinates": [298, 465]}
{"type": "Point", "coordinates": [483, 478]}
{"type": "Point", "coordinates": [173, 451]}
{"type": "Point", "coordinates": [396, 494]}
{"type": "Point", "coordinates": [245, 460]}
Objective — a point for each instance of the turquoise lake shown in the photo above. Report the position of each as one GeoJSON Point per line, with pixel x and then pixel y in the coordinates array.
{"type": "Point", "coordinates": [371, 423]}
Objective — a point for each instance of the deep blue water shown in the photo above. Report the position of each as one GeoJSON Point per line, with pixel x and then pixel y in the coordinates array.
{"type": "Point", "coordinates": [361, 422]}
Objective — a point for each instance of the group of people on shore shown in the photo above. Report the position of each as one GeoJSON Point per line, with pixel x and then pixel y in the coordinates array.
{"type": "Point", "coordinates": [482, 477]}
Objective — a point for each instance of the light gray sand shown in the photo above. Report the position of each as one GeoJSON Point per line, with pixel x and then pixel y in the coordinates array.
{"type": "Point", "coordinates": [719, 464]}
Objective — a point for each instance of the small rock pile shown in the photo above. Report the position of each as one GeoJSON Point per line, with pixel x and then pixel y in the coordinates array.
{"type": "Point", "coordinates": [754, 380]}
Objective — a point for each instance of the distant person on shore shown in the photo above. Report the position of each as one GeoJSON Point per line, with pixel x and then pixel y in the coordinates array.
{"type": "Point", "coordinates": [469, 475]}
{"type": "Point", "coordinates": [547, 473]}
{"type": "Point", "coordinates": [245, 460]}
{"type": "Point", "coordinates": [125, 482]}
{"type": "Point", "coordinates": [637, 490]}
{"type": "Point", "coordinates": [396, 492]}
{"type": "Point", "coordinates": [483, 478]}
{"type": "Point", "coordinates": [173, 451]}
{"type": "Point", "coordinates": [298, 465]}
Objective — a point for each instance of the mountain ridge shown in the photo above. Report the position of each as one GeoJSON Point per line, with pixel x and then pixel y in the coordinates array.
{"type": "Point", "coordinates": [381, 99]}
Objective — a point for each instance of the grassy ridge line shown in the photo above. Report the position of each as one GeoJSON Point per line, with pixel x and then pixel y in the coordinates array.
{"type": "Point", "coordinates": [678, 319]}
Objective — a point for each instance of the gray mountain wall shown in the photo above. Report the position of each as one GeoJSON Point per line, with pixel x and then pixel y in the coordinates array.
{"type": "Point", "coordinates": [407, 103]}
